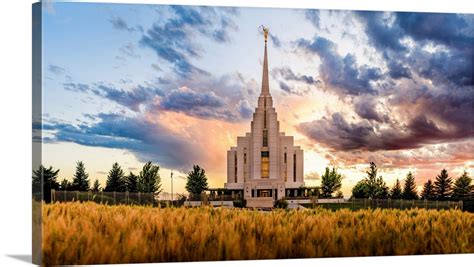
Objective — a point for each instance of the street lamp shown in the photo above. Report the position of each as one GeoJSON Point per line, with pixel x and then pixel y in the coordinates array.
{"type": "Point", "coordinates": [171, 186]}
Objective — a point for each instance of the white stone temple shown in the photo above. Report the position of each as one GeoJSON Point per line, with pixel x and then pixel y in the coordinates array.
{"type": "Point", "coordinates": [265, 165]}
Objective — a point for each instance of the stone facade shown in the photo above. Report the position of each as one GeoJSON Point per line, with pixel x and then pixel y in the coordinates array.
{"type": "Point", "coordinates": [265, 164]}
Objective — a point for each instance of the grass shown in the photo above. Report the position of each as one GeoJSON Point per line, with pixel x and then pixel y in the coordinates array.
{"type": "Point", "coordinates": [87, 233]}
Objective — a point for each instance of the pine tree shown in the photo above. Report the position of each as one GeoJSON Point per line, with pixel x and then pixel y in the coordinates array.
{"type": "Point", "coordinates": [428, 191]}
{"type": "Point", "coordinates": [115, 179]}
{"type": "Point", "coordinates": [131, 182]}
{"type": "Point", "coordinates": [396, 192]}
{"type": "Point", "coordinates": [331, 181]}
{"type": "Point", "coordinates": [80, 181]}
{"type": "Point", "coordinates": [149, 181]}
{"type": "Point", "coordinates": [196, 181]}
{"type": "Point", "coordinates": [371, 180]}
{"type": "Point", "coordinates": [96, 186]}
{"type": "Point", "coordinates": [443, 185]}
{"type": "Point", "coordinates": [409, 190]}
{"type": "Point", "coordinates": [45, 179]}
{"type": "Point", "coordinates": [462, 187]}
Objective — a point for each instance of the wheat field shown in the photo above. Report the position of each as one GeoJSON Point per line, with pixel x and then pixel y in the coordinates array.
{"type": "Point", "coordinates": [86, 233]}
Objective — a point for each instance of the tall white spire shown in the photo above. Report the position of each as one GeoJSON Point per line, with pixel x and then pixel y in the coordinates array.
{"type": "Point", "coordinates": [265, 85]}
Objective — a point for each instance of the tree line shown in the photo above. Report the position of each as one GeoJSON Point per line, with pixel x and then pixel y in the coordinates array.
{"type": "Point", "coordinates": [147, 180]}
{"type": "Point", "coordinates": [443, 187]}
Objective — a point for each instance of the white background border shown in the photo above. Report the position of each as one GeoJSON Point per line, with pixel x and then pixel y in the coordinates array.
{"type": "Point", "coordinates": [15, 127]}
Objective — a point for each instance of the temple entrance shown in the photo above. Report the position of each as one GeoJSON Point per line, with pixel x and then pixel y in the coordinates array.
{"type": "Point", "coordinates": [264, 193]}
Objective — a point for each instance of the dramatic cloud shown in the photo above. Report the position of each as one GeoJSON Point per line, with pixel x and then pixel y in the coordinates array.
{"type": "Point", "coordinates": [148, 140]}
{"type": "Point", "coordinates": [341, 72]}
{"type": "Point", "coordinates": [380, 33]}
{"type": "Point", "coordinates": [366, 108]}
{"type": "Point", "coordinates": [421, 100]}
{"type": "Point", "coordinates": [205, 105]}
{"type": "Point", "coordinates": [131, 99]}
{"type": "Point", "coordinates": [173, 41]}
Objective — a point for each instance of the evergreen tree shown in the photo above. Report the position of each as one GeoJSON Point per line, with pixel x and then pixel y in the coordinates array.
{"type": "Point", "coordinates": [65, 185]}
{"type": "Point", "coordinates": [462, 187]}
{"type": "Point", "coordinates": [196, 181]}
{"type": "Point", "coordinates": [80, 181]}
{"type": "Point", "coordinates": [409, 190]}
{"type": "Point", "coordinates": [371, 179]}
{"type": "Point", "coordinates": [443, 185]}
{"type": "Point", "coordinates": [115, 179]}
{"type": "Point", "coordinates": [396, 192]}
{"type": "Point", "coordinates": [131, 182]}
{"type": "Point", "coordinates": [96, 186]}
{"type": "Point", "coordinates": [45, 179]}
{"type": "Point", "coordinates": [149, 181]}
{"type": "Point", "coordinates": [428, 191]}
{"type": "Point", "coordinates": [331, 181]}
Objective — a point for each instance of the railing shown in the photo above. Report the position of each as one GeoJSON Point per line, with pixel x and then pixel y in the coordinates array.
{"type": "Point", "coordinates": [355, 204]}
{"type": "Point", "coordinates": [111, 198]}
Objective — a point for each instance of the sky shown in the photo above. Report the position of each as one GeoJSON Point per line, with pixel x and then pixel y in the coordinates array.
{"type": "Point", "coordinates": [176, 85]}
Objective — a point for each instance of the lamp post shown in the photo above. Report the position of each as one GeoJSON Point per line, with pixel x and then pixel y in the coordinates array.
{"type": "Point", "coordinates": [171, 186]}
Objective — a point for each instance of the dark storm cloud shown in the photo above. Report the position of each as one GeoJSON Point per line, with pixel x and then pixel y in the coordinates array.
{"type": "Point", "coordinates": [339, 134]}
{"type": "Point", "coordinates": [365, 107]}
{"type": "Point", "coordinates": [448, 29]}
{"type": "Point", "coordinates": [445, 66]}
{"type": "Point", "coordinates": [381, 35]}
{"type": "Point", "coordinates": [174, 42]}
{"type": "Point", "coordinates": [397, 70]}
{"type": "Point", "coordinates": [452, 63]}
{"type": "Point", "coordinates": [411, 112]}
{"type": "Point", "coordinates": [147, 140]}
{"type": "Point", "coordinates": [341, 72]}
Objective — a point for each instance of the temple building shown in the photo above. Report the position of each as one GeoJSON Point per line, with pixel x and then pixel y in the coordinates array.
{"type": "Point", "coordinates": [265, 165]}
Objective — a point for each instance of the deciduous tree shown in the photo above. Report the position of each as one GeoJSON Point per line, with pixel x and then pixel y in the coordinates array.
{"type": "Point", "coordinates": [196, 181]}
{"type": "Point", "coordinates": [331, 181]}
